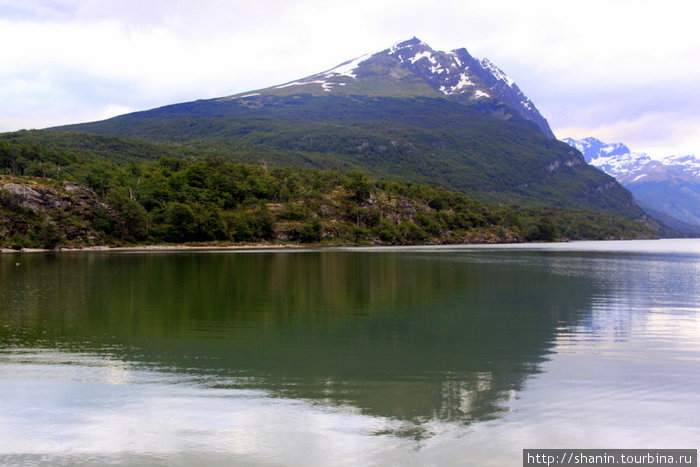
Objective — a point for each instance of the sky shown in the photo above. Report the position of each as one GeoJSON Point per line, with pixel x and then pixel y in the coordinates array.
{"type": "Point", "coordinates": [619, 70]}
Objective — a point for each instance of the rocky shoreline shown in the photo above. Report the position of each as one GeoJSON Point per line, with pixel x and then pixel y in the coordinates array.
{"type": "Point", "coordinates": [254, 246]}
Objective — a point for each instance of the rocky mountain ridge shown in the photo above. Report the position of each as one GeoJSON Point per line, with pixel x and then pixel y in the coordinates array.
{"type": "Point", "coordinates": [413, 67]}
{"type": "Point", "coordinates": [668, 188]}
{"type": "Point", "coordinates": [618, 160]}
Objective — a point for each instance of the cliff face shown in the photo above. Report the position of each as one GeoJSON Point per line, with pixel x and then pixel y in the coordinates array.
{"type": "Point", "coordinates": [44, 213]}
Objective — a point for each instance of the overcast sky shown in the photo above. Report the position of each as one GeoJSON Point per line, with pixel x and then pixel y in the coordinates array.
{"type": "Point", "coordinates": [620, 70]}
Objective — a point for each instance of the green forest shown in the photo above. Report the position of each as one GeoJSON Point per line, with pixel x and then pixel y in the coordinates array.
{"type": "Point", "coordinates": [53, 197]}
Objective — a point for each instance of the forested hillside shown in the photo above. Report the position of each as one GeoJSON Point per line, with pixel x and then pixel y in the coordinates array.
{"type": "Point", "coordinates": [422, 140]}
{"type": "Point", "coordinates": [53, 196]}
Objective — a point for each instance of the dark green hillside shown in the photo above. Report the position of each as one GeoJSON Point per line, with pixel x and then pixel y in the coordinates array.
{"type": "Point", "coordinates": [418, 139]}
{"type": "Point", "coordinates": [66, 147]}
{"type": "Point", "coordinates": [177, 200]}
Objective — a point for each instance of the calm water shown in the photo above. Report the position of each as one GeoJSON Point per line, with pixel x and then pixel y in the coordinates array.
{"type": "Point", "coordinates": [395, 356]}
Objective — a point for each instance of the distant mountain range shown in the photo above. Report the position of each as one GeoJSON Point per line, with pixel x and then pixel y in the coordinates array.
{"type": "Point", "coordinates": [669, 188]}
{"type": "Point", "coordinates": [405, 113]}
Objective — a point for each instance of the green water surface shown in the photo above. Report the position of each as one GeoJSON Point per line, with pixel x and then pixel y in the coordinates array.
{"type": "Point", "coordinates": [346, 356]}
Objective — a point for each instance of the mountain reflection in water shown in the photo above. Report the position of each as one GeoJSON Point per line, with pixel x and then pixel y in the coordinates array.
{"type": "Point", "coordinates": [394, 334]}
{"type": "Point", "coordinates": [410, 338]}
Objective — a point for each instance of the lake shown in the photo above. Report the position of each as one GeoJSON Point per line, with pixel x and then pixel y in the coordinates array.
{"type": "Point", "coordinates": [348, 356]}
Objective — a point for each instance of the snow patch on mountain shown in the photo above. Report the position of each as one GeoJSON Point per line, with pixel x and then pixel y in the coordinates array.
{"type": "Point", "coordinates": [299, 83]}
{"type": "Point", "coordinates": [497, 72]}
{"type": "Point", "coordinates": [348, 68]}
{"type": "Point", "coordinates": [420, 55]}
{"type": "Point", "coordinates": [464, 82]}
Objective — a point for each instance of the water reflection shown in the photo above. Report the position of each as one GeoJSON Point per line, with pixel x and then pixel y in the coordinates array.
{"type": "Point", "coordinates": [311, 357]}
{"type": "Point", "coordinates": [411, 336]}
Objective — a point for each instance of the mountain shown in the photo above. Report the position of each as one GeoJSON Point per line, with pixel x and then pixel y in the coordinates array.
{"type": "Point", "coordinates": [413, 68]}
{"type": "Point", "coordinates": [669, 188]}
{"type": "Point", "coordinates": [405, 113]}
{"type": "Point", "coordinates": [614, 159]}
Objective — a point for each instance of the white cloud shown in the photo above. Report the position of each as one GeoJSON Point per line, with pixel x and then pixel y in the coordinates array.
{"type": "Point", "coordinates": [569, 58]}
{"type": "Point", "coordinates": [657, 134]}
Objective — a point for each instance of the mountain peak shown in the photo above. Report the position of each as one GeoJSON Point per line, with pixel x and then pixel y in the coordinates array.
{"type": "Point", "coordinates": [668, 188]}
{"type": "Point", "coordinates": [411, 68]}
{"type": "Point", "coordinates": [414, 41]}
{"type": "Point", "coordinates": [598, 153]}
{"type": "Point", "coordinates": [617, 160]}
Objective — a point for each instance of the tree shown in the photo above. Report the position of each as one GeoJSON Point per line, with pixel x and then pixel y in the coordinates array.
{"type": "Point", "coordinates": [132, 218]}
{"type": "Point", "coordinates": [50, 235]}
{"type": "Point", "coordinates": [310, 232]}
{"type": "Point", "coordinates": [181, 223]}
{"type": "Point", "coordinates": [210, 224]}
{"type": "Point", "coordinates": [359, 187]}
{"type": "Point", "coordinates": [546, 230]}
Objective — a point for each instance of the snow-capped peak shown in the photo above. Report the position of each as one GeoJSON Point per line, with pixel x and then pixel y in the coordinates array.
{"type": "Point", "coordinates": [667, 187]}
{"type": "Point", "coordinates": [447, 72]}
{"type": "Point", "coordinates": [614, 159]}
{"type": "Point", "coordinates": [617, 160]}
{"type": "Point", "coordinates": [415, 67]}
{"type": "Point", "coordinates": [593, 149]}
{"type": "Point", "coordinates": [405, 44]}
{"type": "Point", "coordinates": [460, 76]}
{"type": "Point", "coordinates": [690, 163]}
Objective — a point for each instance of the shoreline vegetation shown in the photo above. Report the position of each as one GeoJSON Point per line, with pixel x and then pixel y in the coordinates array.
{"type": "Point", "coordinates": [214, 203]}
